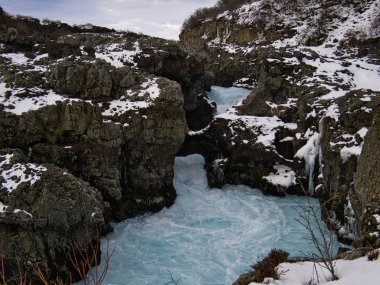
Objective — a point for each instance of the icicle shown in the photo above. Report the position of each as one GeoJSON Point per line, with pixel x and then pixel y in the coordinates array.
{"type": "Point", "coordinates": [309, 152]}
{"type": "Point", "coordinates": [320, 129]}
{"type": "Point", "coordinates": [350, 219]}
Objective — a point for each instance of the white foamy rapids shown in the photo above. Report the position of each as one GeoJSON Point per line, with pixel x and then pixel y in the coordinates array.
{"type": "Point", "coordinates": [209, 236]}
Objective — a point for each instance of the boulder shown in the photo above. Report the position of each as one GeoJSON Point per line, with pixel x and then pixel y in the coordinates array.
{"type": "Point", "coordinates": [170, 61]}
{"type": "Point", "coordinates": [43, 212]}
{"type": "Point", "coordinates": [91, 81]}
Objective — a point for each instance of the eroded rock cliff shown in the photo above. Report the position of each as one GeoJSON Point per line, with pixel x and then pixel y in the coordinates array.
{"type": "Point", "coordinates": [314, 98]}
{"type": "Point", "coordinates": [99, 115]}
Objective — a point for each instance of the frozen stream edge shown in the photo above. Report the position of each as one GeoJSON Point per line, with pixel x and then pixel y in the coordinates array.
{"type": "Point", "coordinates": [209, 236]}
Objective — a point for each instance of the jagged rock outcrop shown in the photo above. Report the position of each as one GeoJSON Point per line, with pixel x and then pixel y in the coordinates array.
{"type": "Point", "coordinates": [367, 186]}
{"type": "Point", "coordinates": [264, 22]}
{"type": "Point", "coordinates": [43, 210]}
{"type": "Point", "coordinates": [303, 71]}
{"type": "Point", "coordinates": [84, 104]}
{"type": "Point", "coordinates": [128, 158]}
{"type": "Point", "coordinates": [172, 62]}
{"type": "Point", "coordinates": [92, 81]}
{"type": "Point", "coordinates": [241, 150]}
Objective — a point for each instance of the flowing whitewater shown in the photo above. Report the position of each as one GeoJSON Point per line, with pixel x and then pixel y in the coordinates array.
{"type": "Point", "coordinates": [209, 236]}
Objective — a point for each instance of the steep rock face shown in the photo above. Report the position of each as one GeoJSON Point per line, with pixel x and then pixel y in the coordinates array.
{"type": "Point", "coordinates": [341, 144]}
{"type": "Point", "coordinates": [43, 210]}
{"type": "Point", "coordinates": [152, 139]}
{"type": "Point", "coordinates": [170, 61]}
{"type": "Point", "coordinates": [97, 120]}
{"type": "Point", "coordinates": [94, 81]}
{"type": "Point", "coordinates": [310, 108]}
{"type": "Point", "coordinates": [129, 157]}
{"type": "Point", "coordinates": [367, 184]}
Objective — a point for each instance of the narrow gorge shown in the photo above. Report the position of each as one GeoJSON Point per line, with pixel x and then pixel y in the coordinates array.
{"type": "Point", "coordinates": [192, 157]}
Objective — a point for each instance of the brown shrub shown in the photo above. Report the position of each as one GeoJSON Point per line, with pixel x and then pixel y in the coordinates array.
{"type": "Point", "coordinates": [266, 267]}
{"type": "Point", "coordinates": [373, 255]}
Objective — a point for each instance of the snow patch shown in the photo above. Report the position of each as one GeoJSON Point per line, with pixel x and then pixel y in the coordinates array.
{"type": "Point", "coordinates": [3, 208]}
{"type": "Point", "coordinates": [149, 92]}
{"type": "Point", "coordinates": [354, 150]}
{"type": "Point", "coordinates": [350, 272]}
{"type": "Point", "coordinates": [19, 105]}
{"type": "Point", "coordinates": [117, 55]}
{"type": "Point", "coordinates": [18, 173]}
{"type": "Point", "coordinates": [264, 128]}
{"type": "Point", "coordinates": [284, 176]}
{"type": "Point", "coordinates": [333, 112]}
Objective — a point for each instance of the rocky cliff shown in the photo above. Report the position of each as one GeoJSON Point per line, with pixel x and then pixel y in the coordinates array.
{"type": "Point", "coordinates": [314, 102]}
{"type": "Point", "coordinates": [43, 208]}
{"type": "Point", "coordinates": [91, 119]}
{"type": "Point", "coordinates": [90, 123]}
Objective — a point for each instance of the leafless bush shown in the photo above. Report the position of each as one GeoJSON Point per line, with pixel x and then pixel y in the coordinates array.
{"type": "Point", "coordinates": [82, 260]}
{"type": "Point", "coordinates": [266, 267]}
{"type": "Point", "coordinates": [321, 237]}
{"type": "Point", "coordinates": [172, 279]}
{"type": "Point", "coordinates": [373, 255]}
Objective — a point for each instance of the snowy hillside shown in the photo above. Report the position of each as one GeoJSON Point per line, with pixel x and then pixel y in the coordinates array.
{"type": "Point", "coordinates": [358, 271]}
{"type": "Point", "coordinates": [294, 22]}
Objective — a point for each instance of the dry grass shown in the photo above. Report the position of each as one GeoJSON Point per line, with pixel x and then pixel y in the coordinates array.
{"type": "Point", "coordinates": [82, 260]}
{"type": "Point", "coordinates": [264, 268]}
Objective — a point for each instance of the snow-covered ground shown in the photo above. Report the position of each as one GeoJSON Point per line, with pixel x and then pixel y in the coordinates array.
{"type": "Point", "coordinates": [18, 173]}
{"type": "Point", "coordinates": [360, 271]}
{"type": "Point", "coordinates": [118, 55]}
{"type": "Point", "coordinates": [143, 99]}
{"type": "Point", "coordinates": [264, 127]}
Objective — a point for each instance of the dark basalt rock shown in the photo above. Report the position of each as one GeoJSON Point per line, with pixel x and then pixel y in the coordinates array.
{"type": "Point", "coordinates": [98, 80]}
{"type": "Point", "coordinates": [133, 163]}
{"type": "Point", "coordinates": [288, 87]}
{"type": "Point", "coordinates": [126, 157]}
{"type": "Point", "coordinates": [170, 61]}
{"type": "Point", "coordinates": [367, 185]}
{"type": "Point", "coordinates": [43, 219]}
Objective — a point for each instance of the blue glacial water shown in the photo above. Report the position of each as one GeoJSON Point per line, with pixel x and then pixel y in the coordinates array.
{"type": "Point", "coordinates": [227, 97]}
{"type": "Point", "coordinates": [208, 237]}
